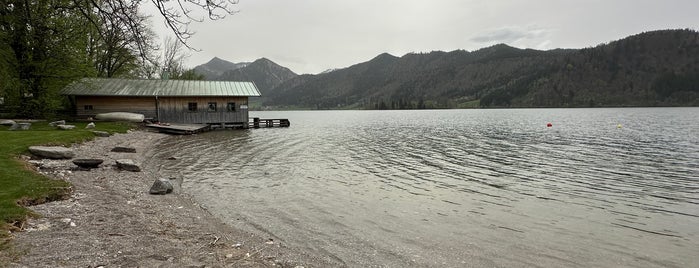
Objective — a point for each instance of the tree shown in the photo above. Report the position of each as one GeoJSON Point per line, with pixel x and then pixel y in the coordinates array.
{"type": "Point", "coordinates": [44, 39]}
{"type": "Point", "coordinates": [46, 44]}
{"type": "Point", "coordinates": [173, 57]}
{"type": "Point", "coordinates": [115, 50]}
{"type": "Point", "coordinates": [178, 15]}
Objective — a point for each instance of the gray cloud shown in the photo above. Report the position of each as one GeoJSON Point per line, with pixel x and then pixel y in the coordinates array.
{"type": "Point", "coordinates": [509, 35]}
{"type": "Point", "coordinates": [311, 36]}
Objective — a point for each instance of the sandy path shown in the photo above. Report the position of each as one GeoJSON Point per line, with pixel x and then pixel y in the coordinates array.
{"type": "Point", "coordinates": [112, 221]}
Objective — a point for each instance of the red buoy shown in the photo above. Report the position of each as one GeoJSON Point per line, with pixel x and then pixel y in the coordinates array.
{"type": "Point", "coordinates": [549, 125]}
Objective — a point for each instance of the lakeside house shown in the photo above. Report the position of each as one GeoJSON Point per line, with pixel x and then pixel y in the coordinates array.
{"type": "Point", "coordinates": [167, 101]}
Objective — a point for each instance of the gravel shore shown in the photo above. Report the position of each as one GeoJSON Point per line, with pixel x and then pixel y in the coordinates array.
{"type": "Point", "coordinates": [111, 220]}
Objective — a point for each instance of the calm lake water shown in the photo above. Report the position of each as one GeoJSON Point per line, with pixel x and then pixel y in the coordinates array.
{"type": "Point", "coordinates": [455, 188]}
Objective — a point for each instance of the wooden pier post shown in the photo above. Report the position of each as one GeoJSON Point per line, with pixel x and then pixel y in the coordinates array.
{"type": "Point", "coordinates": [256, 122]}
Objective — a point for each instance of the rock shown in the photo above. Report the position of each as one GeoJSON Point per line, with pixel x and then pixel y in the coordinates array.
{"type": "Point", "coordinates": [101, 133]}
{"type": "Point", "coordinates": [57, 123]}
{"type": "Point", "coordinates": [53, 152]}
{"type": "Point", "coordinates": [121, 116]}
{"type": "Point", "coordinates": [161, 186]}
{"type": "Point", "coordinates": [120, 149]}
{"type": "Point", "coordinates": [87, 163]}
{"type": "Point", "coordinates": [6, 122]}
{"type": "Point", "coordinates": [128, 164]}
{"type": "Point", "coordinates": [65, 127]}
{"type": "Point", "coordinates": [21, 126]}
{"type": "Point", "coordinates": [90, 125]}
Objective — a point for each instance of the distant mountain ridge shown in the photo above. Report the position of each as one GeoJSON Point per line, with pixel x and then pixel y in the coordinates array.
{"type": "Point", "coordinates": [216, 67]}
{"type": "Point", "coordinates": [263, 72]}
{"type": "Point", "coordinates": [658, 68]}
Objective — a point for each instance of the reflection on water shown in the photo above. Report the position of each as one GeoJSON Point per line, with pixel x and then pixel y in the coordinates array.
{"type": "Point", "coordinates": [602, 187]}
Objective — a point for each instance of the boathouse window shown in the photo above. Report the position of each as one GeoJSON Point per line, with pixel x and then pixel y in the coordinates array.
{"type": "Point", "coordinates": [192, 106]}
{"type": "Point", "coordinates": [87, 107]}
{"type": "Point", "coordinates": [212, 107]}
{"type": "Point", "coordinates": [230, 107]}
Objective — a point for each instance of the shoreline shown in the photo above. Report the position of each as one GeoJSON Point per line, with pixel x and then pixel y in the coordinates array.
{"type": "Point", "coordinates": [110, 219]}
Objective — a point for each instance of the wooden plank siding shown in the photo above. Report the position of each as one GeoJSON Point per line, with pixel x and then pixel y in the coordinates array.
{"type": "Point", "coordinates": [176, 109]}
{"type": "Point", "coordinates": [107, 104]}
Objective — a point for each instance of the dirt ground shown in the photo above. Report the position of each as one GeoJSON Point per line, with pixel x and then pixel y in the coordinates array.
{"type": "Point", "coordinates": [112, 221]}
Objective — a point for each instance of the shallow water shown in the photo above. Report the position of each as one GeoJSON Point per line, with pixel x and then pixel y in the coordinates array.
{"type": "Point", "coordinates": [602, 187]}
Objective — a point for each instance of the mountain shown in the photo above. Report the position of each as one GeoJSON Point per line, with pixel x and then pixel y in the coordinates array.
{"type": "Point", "coordinates": [216, 67]}
{"type": "Point", "coordinates": [265, 73]}
{"type": "Point", "coordinates": [658, 68]}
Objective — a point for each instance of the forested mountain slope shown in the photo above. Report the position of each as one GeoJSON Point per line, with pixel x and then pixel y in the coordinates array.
{"type": "Point", "coordinates": [659, 68]}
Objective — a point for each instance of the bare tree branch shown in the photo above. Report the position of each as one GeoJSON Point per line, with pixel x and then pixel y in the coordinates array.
{"type": "Point", "coordinates": [179, 14]}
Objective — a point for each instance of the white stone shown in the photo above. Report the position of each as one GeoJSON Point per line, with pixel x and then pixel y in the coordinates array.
{"type": "Point", "coordinates": [54, 152]}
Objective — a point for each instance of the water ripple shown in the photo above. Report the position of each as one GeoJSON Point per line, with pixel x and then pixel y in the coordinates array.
{"type": "Point", "coordinates": [365, 185]}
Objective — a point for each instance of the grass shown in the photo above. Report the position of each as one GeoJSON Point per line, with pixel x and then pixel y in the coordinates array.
{"type": "Point", "coordinates": [19, 184]}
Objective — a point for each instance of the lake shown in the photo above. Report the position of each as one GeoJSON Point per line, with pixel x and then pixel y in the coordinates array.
{"type": "Point", "coordinates": [459, 188]}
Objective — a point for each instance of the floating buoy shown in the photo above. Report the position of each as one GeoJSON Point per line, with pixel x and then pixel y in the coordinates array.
{"type": "Point", "coordinates": [549, 125]}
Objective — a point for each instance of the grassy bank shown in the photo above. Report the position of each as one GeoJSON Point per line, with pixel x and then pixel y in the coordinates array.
{"type": "Point", "coordinates": [19, 184]}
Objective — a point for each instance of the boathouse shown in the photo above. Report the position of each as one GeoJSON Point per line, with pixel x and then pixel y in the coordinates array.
{"type": "Point", "coordinates": [167, 101]}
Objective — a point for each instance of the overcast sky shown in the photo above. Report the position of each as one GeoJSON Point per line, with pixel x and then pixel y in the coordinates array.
{"type": "Point", "coordinates": [311, 36]}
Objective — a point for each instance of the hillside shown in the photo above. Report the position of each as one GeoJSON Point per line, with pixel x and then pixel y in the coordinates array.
{"type": "Point", "coordinates": [263, 72]}
{"type": "Point", "coordinates": [216, 67]}
{"type": "Point", "coordinates": [659, 68]}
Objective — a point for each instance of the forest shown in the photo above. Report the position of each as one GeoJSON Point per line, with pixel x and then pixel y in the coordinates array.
{"type": "Point", "coordinates": [658, 68]}
{"type": "Point", "coordinates": [47, 44]}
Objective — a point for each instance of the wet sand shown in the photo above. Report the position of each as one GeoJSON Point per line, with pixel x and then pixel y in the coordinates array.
{"type": "Point", "coordinates": [111, 220]}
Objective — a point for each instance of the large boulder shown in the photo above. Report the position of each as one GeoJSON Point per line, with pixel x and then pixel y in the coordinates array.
{"type": "Point", "coordinates": [21, 126]}
{"type": "Point", "coordinates": [57, 123]}
{"type": "Point", "coordinates": [128, 164]}
{"type": "Point", "coordinates": [161, 186]}
{"type": "Point", "coordinates": [6, 122]}
{"type": "Point", "coordinates": [53, 152]}
{"type": "Point", "coordinates": [88, 162]}
{"type": "Point", "coordinates": [65, 127]}
{"type": "Point", "coordinates": [121, 116]}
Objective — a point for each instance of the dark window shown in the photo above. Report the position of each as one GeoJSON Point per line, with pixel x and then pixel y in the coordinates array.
{"type": "Point", "coordinates": [212, 107]}
{"type": "Point", "coordinates": [230, 107]}
{"type": "Point", "coordinates": [192, 106]}
{"type": "Point", "coordinates": [88, 107]}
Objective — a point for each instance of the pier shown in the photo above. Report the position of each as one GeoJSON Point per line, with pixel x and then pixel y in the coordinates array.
{"type": "Point", "coordinates": [189, 129]}
{"type": "Point", "coordinates": [258, 123]}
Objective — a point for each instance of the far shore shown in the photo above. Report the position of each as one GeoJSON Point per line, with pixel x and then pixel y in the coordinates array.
{"type": "Point", "coordinates": [111, 220]}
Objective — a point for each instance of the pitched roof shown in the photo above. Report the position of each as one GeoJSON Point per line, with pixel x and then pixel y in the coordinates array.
{"type": "Point", "coordinates": [135, 87]}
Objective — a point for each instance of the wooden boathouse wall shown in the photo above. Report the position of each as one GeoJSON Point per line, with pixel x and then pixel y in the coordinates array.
{"type": "Point", "coordinates": [89, 106]}
{"type": "Point", "coordinates": [221, 103]}
{"type": "Point", "coordinates": [176, 109]}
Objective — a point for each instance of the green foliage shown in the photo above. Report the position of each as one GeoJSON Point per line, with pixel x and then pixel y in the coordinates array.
{"type": "Point", "coordinates": [673, 85]}
{"type": "Point", "coordinates": [47, 44]}
{"type": "Point", "coordinates": [18, 184]}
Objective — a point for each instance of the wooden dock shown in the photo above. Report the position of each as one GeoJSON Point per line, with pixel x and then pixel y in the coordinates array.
{"type": "Point", "coordinates": [189, 129]}
{"type": "Point", "coordinates": [180, 129]}
{"type": "Point", "coordinates": [258, 123]}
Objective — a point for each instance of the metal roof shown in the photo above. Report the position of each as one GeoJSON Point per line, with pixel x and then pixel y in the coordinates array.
{"type": "Point", "coordinates": [135, 87]}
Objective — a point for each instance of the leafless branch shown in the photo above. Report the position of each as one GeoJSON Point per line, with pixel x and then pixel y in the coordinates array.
{"type": "Point", "coordinates": [180, 13]}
